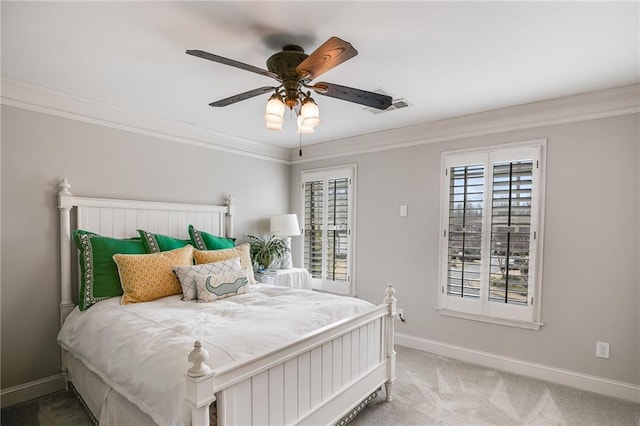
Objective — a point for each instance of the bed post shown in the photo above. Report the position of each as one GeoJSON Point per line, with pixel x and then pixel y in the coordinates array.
{"type": "Point", "coordinates": [229, 229]}
{"type": "Point", "coordinates": [66, 303]}
{"type": "Point", "coordinates": [64, 205]}
{"type": "Point", "coordinates": [390, 300]}
{"type": "Point", "coordinates": [199, 385]}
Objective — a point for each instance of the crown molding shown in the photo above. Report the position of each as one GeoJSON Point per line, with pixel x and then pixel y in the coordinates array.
{"type": "Point", "coordinates": [39, 99]}
{"type": "Point", "coordinates": [586, 106]}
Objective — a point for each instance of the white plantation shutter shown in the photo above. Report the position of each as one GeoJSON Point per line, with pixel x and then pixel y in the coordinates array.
{"type": "Point", "coordinates": [491, 249]}
{"type": "Point", "coordinates": [328, 228]}
{"type": "Point", "coordinates": [511, 232]}
{"type": "Point", "coordinates": [313, 229]}
{"type": "Point", "coordinates": [466, 202]}
{"type": "Point", "coordinates": [337, 229]}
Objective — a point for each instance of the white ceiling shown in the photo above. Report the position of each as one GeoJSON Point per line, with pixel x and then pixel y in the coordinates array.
{"type": "Point", "coordinates": [445, 58]}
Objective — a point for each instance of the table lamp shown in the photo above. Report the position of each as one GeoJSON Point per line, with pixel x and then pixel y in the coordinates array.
{"type": "Point", "coordinates": [285, 226]}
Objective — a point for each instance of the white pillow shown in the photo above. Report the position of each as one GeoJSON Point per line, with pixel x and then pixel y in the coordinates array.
{"type": "Point", "coordinates": [213, 287]}
{"type": "Point", "coordinates": [187, 274]}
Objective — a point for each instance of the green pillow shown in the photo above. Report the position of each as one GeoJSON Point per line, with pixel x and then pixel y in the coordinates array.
{"type": "Point", "coordinates": [205, 241]}
{"type": "Point", "coordinates": [99, 277]}
{"type": "Point", "coordinates": [155, 243]}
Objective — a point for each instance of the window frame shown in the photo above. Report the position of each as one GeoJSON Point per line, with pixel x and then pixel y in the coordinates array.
{"type": "Point", "coordinates": [482, 309]}
{"type": "Point", "coordinates": [325, 174]}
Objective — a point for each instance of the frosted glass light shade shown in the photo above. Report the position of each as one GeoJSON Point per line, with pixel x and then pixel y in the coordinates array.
{"type": "Point", "coordinates": [273, 126]}
{"type": "Point", "coordinates": [302, 128]}
{"type": "Point", "coordinates": [310, 114]}
{"type": "Point", "coordinates": [284, 225]}
{"type": "Point", "coordinates": [275, 111]}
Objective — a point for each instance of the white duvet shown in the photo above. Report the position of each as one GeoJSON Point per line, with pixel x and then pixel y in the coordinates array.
{"type": "Point", "coordinates": [141, 349]}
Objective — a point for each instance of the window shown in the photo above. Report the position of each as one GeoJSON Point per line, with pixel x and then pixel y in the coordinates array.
{"type": "Point", "coordinates": [328, 196]}
{"type": "Point", "coordinates": [491, 228]}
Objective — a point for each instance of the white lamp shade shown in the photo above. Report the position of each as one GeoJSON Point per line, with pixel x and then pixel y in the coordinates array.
{"type": "Point", "coordinates": [275, 106]}
{"type": "Point", "coordinates": [273, 119]}
{"type": "Point", "coordinates": [304, 129]}
{"type": "Point", "coordinates": [273, 126]}
{"type": "Point", "coordinates": [284, 225]}
{"type": "Point", "coordinates": [310, 114]}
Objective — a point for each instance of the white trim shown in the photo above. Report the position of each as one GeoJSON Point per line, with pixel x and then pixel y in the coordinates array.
{"type": "Point", "coordinates": [28, 391]}
{"type": "Point", "coordinates": [529, 325]}
{"type": "Point", "coordinates": [39, 99]}
{"type": "Point", "coordinates": [586, 106]}
{"type": "Point", "coordinates": [574, 379]}
{"type": "Point", "coordinates": [605, 103]}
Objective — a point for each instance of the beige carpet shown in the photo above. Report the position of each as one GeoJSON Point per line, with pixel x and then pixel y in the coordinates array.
{"type": "Point", "coordinates": [430, 390]}
{"type": "Point", "coordinates": [434, 390]}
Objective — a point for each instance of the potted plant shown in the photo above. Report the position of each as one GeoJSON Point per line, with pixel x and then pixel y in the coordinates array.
{"type": "Point", "coordinates": [265, 249]}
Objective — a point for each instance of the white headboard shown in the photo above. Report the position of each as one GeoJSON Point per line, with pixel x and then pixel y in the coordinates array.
{"type": "Point", "coordinates": [122, 218]}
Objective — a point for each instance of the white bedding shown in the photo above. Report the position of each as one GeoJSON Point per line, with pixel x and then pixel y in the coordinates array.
{"type": "Point", "coordinates": [141, 349]}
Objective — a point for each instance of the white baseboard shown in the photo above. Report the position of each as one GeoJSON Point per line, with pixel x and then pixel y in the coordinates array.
{"type": "Point", "coordinates": [27, 391]}
{"type": "Point", "coordinates": [616, 389]}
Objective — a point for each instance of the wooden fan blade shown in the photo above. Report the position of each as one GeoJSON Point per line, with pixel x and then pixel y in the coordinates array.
{"type": "Point", "coordinates": [231, 62]}
{"type": "Point", "coordinates": [331, 54]}
{"type": "Point", "coordinates": [358, 96]}
{"type": "Point", "coordinates": [242, 96]}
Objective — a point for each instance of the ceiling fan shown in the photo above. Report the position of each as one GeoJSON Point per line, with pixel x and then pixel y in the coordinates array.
{"type": "Point", "coordinates": [295, 70]}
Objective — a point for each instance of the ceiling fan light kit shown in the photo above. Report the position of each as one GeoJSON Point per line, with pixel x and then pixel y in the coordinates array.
{"type": "Point", "coordinates": [294, 69]}
{"type": "Point", "coordinates": [302, 129]}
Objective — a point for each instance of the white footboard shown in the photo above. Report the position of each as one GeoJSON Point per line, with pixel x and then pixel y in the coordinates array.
{"type": "Point", "coordinates": [315, 380]}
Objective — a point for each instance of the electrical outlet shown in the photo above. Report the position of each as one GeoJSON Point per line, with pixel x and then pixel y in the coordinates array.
{"type": "Point", "coordinates": [602, 350]}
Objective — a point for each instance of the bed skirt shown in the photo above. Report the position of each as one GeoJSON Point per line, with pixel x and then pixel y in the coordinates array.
{"type": "Point", "coordinates": [106, 407]}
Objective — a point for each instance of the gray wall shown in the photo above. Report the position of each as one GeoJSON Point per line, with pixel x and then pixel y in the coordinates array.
{"type": "Point", "coordinates": [590, 285]}
{"type": "Point", "coordinates": [37, 151]}
{"type": "Point", "coordinates": [590, 281]}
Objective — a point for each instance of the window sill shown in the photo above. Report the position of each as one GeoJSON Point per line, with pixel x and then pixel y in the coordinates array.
{"type": "Point", "coordinates": [529, 325]}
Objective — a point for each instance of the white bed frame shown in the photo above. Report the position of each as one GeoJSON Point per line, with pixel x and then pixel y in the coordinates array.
{"type": "Point", "coordinates": [318, 379]}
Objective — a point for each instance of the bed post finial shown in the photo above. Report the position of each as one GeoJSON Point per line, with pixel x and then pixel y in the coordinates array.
{"type": "Point", "coordinates": [198, 356]}
{"type": "Point", "coordinates": [64, 187]}
{"type": "Point", "coordinates": [391, 294]}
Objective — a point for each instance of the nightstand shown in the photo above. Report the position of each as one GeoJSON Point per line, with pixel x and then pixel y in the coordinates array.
{"type": "Point", "coordinates": [292, 277]}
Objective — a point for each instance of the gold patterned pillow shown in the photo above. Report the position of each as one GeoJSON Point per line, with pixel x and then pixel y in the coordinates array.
{"type": "Point", "coordinates": [241, 251]}
{"type": "Point", "coordinates": [146, 277]}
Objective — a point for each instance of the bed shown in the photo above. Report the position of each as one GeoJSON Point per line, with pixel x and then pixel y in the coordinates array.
{"type": "Point", "coordinates": [306, 367]}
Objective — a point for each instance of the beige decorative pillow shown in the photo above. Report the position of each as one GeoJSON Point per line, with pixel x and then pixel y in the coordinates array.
{"type": "Point", "coordinates": [241, 251]}
{"type": "Point", "coordinates": [146, 277]}
{"type": "Point", "coordinates": [213, 287]}
{"type": "Point", "coordinates": [187, 274]}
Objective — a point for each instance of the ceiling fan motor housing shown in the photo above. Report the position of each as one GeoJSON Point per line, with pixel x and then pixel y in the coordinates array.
{"type": "Point", "coordinates": [284, 63]}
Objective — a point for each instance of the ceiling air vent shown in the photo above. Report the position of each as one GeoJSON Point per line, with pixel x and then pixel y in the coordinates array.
{"type": "Point", "coordinates": [396, 104]}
